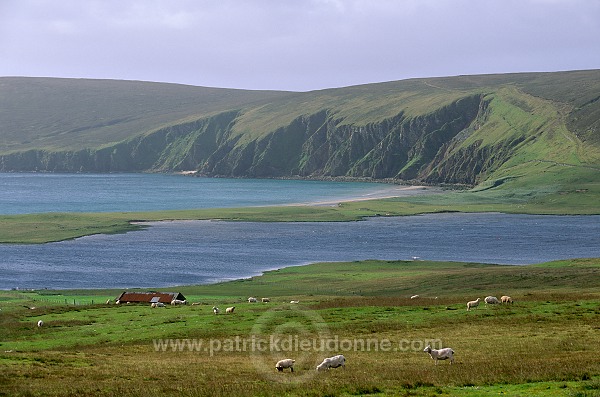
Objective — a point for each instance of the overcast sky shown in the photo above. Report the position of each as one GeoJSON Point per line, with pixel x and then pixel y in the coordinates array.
{"type": "Point", "coordinates": [297, 45]}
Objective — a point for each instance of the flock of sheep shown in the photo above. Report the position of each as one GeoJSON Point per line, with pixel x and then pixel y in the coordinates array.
{"type": "Point", "coordinates": [339, 360]}
{"type": "Point", "coordinates": [328, 362]}
{"type": "Point", "coordinates": [489, 300]}
{"type": "Point", "coordinates": [230, 310]}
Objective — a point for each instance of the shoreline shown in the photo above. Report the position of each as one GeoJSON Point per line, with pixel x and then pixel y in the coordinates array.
{"type": "Point", "coordinates": [392, 192]}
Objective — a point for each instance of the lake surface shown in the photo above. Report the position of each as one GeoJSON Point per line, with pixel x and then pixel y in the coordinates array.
{"type": "Point", "coordinates": [196, 252]}
{"type": "Point", "coordinates": [39, 192]}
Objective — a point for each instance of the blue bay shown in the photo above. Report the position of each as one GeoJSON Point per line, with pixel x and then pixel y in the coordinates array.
{"type": "Point", "coordinates": [197, 252]}
{"type": "Point", "coordinates": [39, 192]}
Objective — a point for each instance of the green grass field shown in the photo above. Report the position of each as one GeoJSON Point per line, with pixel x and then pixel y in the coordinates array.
{"type": "Point", "coordinates": [545, 344]}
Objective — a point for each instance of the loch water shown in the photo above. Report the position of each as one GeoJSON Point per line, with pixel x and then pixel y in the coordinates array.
{"type": "Point", "coordinates": [22, 193]}
{"type": "Point", "coordinates": [197, 252]}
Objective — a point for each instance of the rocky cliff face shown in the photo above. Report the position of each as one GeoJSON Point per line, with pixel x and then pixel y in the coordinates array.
{"type": "Point", "coordinates": [425, 148]}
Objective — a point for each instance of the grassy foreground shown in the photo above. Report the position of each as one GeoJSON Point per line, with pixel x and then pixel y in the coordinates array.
{"type": "Point", "coordinates": [545, 344]}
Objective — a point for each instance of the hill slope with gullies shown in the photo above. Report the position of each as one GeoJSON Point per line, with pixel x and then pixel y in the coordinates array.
{"type": "Point", "coordinates": [484, 131]}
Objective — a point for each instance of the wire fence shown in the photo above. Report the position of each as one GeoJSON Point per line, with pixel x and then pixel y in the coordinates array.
{"type": "Point", "coordinates": [72, 302]}
{"type": "Point", "coordinates": [54, 301]}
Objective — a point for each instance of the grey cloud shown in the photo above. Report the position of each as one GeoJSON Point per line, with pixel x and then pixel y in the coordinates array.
{"type": "Point", "coordinates": [296, 45]}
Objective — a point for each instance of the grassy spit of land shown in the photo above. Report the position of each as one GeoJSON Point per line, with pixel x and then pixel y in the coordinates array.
{"type": "Point", "coordinates": [565, 196]}
{"type": "Point", "coordinates": [545, 344]}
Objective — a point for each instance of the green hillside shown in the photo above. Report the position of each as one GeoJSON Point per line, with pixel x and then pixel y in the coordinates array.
{"type": "Point", "coordinates": [529, 129]}
{"type": "Point", "coordinates": [55, 114]}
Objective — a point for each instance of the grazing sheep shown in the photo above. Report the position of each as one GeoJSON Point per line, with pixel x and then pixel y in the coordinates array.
{"type": "Point", "coordinates": [175, 302]}
{"type": "Point", "coordinates": [414, 297]}
{"type": "Point", "coordinates": [332, 362]}
{"type": "Point", "coordinates": [294, 301]}
{"type": "Point", "coordinates": [474, 303]}
{"type": "Point", "coordinates": [266, 300]}
{"type": "Point", "coordinates": [252, 300]}
{"type": "Point", "coordinates": [441, 354]}
{"type": "Point", "coordinates": [230, 309]}
{"type": "Point", "coordinates": [506, 299]}
{"type": "Point", "coordinates": [285, 363]}
{"type": "Point", "coordinates": [157, 304]}
{"type": "Point", "coordinates": [216, 310]}
{"type": "Point", "coordinates": [40, 323]}
{"type": "Point", "coordinates": [492, 300]}
{"type": "Point", "coordinates": [117, 302]}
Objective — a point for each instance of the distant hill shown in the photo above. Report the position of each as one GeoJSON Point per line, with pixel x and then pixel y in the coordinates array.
{"type": "Point", "coordinates": [54, 114]}
{"type": "Point", "coordinates": [485, 130]}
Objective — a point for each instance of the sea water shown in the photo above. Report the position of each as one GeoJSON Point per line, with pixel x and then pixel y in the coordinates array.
{"type": "Point", "coordinates": [46, 192]}
{"type": "Point", "coordinates": [197, 252]}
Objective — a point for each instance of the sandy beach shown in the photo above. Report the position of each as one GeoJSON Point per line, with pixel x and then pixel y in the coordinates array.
{"type": "Point", "coordinates": [383, 193]}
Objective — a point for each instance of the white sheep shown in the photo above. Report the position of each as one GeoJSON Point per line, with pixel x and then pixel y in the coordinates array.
{"type": "Point", "coordinates": [178, 302]}
{"type": "Point", "coordinates": [266, 300]}
{"type": "Point", "coordinates": [491, 300]}
{"type": "Point", "coordinates": [441, 354]}
{"type": "Point", "coordinates": [252, 300]}
{"type": "Point", "coordinates": [40, 323]}
{"type": "Point", "coordinates": [216, 310]}
{"type": "Point", "coordinates": [294, 302]}
{"type": "Point", "coordinates": [230, 309]}
{"type": "Point", "coordinates": [506, 299]}
{"type": "Point", "coordinates": [157, 304]}
{"type": "Point", "coordinates": [414, 297]}
{"type": "Point", "coordinates": [332, 362]}
{"type": "Point", "coordinates": [285, 363]}
{"type": "Point", "coordinates": [472, 304]}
